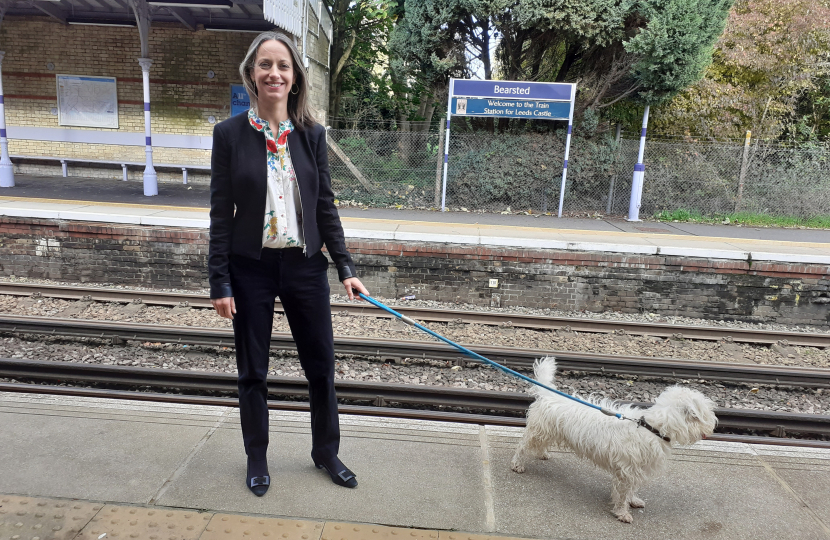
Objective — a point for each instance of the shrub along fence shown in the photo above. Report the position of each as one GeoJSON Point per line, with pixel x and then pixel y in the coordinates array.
{"type": "Point", "coordinates": [496, 173]}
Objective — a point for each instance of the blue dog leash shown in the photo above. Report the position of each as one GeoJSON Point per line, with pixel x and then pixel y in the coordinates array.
{"type": "Point", "coordinates": [477, 356]}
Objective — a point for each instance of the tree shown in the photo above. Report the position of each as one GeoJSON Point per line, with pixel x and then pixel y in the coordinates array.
{"type": "Point", "coordinates": [358, 27]}
{"type": "Point", "coordinates": [769, 74]}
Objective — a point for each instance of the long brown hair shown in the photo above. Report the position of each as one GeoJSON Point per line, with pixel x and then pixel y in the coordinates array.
{"type": "Point", "coordinates": [298, 109]}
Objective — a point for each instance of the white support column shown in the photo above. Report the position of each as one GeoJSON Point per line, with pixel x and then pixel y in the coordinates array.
{"type": "Point", "coordinates": [6, 167]}
{"type": "Point", "coordinates": [567, 151]}
{"type": "Point", "coordinates": [639, 174]}
{"type": "Point", "coordinates": [447, 147]}
{"type": "Point", "coordinates": [150, 179]}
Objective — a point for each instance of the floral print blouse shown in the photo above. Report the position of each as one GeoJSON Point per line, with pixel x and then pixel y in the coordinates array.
{"type": "Point", "coordinates": [283, 222]}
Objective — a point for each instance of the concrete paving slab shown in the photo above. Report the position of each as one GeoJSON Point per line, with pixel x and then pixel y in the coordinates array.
{"type": "Point", "coordinates": [369, 224]}
{"type": "Point", "coordinates": [90, 458]}
{"type": "Point", "coordinates": [93, 215]}
{"type": "Point", "coordinates": [181, 214]}
{"type": "Point", "coordinates": [813, 486]}
{"type": "Point", "coordinates": [703, 252]}
{"type": "Point", "coordinates": [430, 236]}
{"type": "Point", "coordinates": [132, 210]}
{"type": "Point", "coordinates": [37, 205]}
{"type": "Point", "coordinates": [400, 482]}
{"type": "Point", "coordinates": [368, 234]}
{"type": "Point", "coordinates": [791, 257]}
{"type": "Point", "coordinates": [695, 498]}
{"type": "Point", "coordinates": [196, 221]}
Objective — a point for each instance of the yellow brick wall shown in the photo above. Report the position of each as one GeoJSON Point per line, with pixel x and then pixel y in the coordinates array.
{"type": "Point", "coordinates": [182, 97]}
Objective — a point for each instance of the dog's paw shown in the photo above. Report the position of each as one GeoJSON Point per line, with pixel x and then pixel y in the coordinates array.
{"type": "Point", "coordinates": [625, 517]}
{"type": "Point", "coordinates": [636, 502]}
{"type": "Point", "coordinates": [518, 468]}
{"type": "Point", "coordinates": [546, 456]}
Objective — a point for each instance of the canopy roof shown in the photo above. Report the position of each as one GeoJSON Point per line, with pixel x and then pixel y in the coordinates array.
{"type": "Point", "coordinates": [237, 15]}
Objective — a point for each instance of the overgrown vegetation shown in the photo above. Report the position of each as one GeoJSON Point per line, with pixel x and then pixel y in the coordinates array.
{"type": "Point", "coordinates": [744, 219]}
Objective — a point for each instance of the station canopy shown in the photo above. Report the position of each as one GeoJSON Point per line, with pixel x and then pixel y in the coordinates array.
{"type": "Point", "coordinates": [217, 15]}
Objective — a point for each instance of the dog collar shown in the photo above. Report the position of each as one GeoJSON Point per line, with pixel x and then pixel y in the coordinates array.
{"type": "Point", "coordinates": [642, 422]}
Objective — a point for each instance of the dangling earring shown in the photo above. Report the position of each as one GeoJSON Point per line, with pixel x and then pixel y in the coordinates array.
{"type": "Point", "coordinates": [292, 88]}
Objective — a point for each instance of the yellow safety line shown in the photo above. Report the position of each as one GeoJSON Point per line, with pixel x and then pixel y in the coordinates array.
{"type": "Point", "coordinates": [97, 203]}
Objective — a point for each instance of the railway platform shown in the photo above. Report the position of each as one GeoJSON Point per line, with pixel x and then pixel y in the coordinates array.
{"type": "Point", "coordinates": [178, 205]}
{"type": "Point", "coordinates": [82, 467]}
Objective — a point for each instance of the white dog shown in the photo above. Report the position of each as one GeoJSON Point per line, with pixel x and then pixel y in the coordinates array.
{"type": "Point", "coordinates": [630, 451]}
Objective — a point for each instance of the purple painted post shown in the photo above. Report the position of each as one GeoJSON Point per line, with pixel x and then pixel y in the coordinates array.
{"type": "Point", "coordinates": [567, 151]}
{"type": "Point", "coordinates": [447, 147]}
{"type": "Point", "coordinates": [6, 167]}
{"type": "Point", "coordinates": [151, 186]}
{"type": "Point", "coordinates": [639, 173]}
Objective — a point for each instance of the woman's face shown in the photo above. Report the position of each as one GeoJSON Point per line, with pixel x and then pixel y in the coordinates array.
{"type": "Point", "coordinates": [273, 72]}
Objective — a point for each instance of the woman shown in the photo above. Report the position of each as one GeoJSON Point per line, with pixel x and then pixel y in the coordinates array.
{"type": "Point", "coordinates": [271, 211]}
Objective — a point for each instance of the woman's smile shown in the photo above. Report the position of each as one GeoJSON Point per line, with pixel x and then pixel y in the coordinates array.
{"type": "Point", "coordinates": [273, 73]}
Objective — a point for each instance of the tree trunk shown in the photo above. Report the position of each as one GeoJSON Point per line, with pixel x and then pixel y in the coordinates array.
{"type": "Point", "coordinates": [485, 49]}
{"type": "Point", "coordinates": [570, 57]}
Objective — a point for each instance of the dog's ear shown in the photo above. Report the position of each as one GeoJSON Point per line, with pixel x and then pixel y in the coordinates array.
{"type": "Point", "coordinates": [691, 413]}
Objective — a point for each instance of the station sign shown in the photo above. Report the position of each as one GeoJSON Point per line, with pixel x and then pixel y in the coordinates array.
{"type": "Point", "coordinates": [512, 89]}
{"type": "Point", "coordinates": [510, 99]}
{"type": "Point", "coordinates": [240, 102]}
{"type": "Point", "coordinates": [511, 108]}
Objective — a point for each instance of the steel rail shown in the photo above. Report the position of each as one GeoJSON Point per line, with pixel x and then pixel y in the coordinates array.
{"type": "Point", "coordinates": [393, 349]}
{"type": "Point", "coordinates": [577, 324]}
{"type": "Point", "coordinates": [378, 393]}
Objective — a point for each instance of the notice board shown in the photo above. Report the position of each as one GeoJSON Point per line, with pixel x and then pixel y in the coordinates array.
{"type": "Point", "coordinates": [87, 101]}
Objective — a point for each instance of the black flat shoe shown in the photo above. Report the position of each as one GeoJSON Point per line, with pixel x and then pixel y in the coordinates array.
{"type": "Point", "coordinates": [258, 484]}
{"type": "Point", "coordinates": [340, 474]}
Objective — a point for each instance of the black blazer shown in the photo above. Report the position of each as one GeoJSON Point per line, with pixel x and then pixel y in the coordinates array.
{"type": "Point", "coordinates": [239, 174]}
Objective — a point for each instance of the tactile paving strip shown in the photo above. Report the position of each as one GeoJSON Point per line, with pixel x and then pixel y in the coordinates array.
{"type": "Point", "coordinates": [227, 527]}
{"type": "Point", "coordinates": [28, 518]}
{"type": "Point", "coordinates": [358, 531]}
{"type": "Point", "coordinates": [444, 535]}
{"type": "Point", "coordinates": [130, 522]}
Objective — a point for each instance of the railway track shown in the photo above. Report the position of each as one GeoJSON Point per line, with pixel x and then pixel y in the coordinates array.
{"type": "Point", "coordinates": [707, 333]}
{"type": "Point", "coordinates": [393, 349]}
{"type": "Point", "coordinates": [499, 408]}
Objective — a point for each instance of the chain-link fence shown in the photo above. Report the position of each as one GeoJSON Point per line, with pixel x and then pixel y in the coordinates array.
{"type": "Point", "coordinates": [497, 173]}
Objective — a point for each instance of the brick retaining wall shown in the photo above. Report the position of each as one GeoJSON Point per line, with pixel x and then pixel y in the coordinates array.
{"type": "Point", "coordinates": [540, 278]}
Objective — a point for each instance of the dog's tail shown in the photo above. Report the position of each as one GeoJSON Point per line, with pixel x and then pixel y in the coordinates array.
{"type": "Point", "coordinates": [544, 371]}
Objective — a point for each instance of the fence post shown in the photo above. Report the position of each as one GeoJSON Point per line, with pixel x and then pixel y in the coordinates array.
{"type": "Point", "coordinates": [439, 163]}
{"type": "Point", "coordinates": [743, 171]}
{"type": "Point", "coordinates": [614, 177]}
{"type": "Point", "coordinates": [639, 173]}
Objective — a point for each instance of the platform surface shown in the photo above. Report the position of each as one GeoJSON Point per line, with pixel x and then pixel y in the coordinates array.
{"type": "Point", "coordinates": [113, 201]}
{"type": "Point", "coordinates": [105, 458]}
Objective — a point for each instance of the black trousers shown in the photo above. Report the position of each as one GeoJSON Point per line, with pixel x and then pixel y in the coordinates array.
{"type": "Point", "coordinates": [302, 286]}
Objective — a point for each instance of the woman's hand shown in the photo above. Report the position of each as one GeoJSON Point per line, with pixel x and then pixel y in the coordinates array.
{"type": "Point", "coordinates": [225, 307]}
{"type": "Point", "coordinates": [353, 284]}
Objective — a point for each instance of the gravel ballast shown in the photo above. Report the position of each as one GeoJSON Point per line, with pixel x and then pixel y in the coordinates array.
{"type": "Point", "coordinates": [504, 335]}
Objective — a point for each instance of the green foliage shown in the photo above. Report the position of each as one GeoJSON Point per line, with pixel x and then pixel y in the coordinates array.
{"type": "Point", "coordinates": [744, 219]}
{"type": "Point", "coordinates": [401, 168]}
{"type": "Point", "coordinates": [523, 171]}
{"type": "Point", "coordinates": [591, 22]}
{"type": "Point", "coordinates": [769, 75]}
{"type": "Point", "coordinates": [676, 44]}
